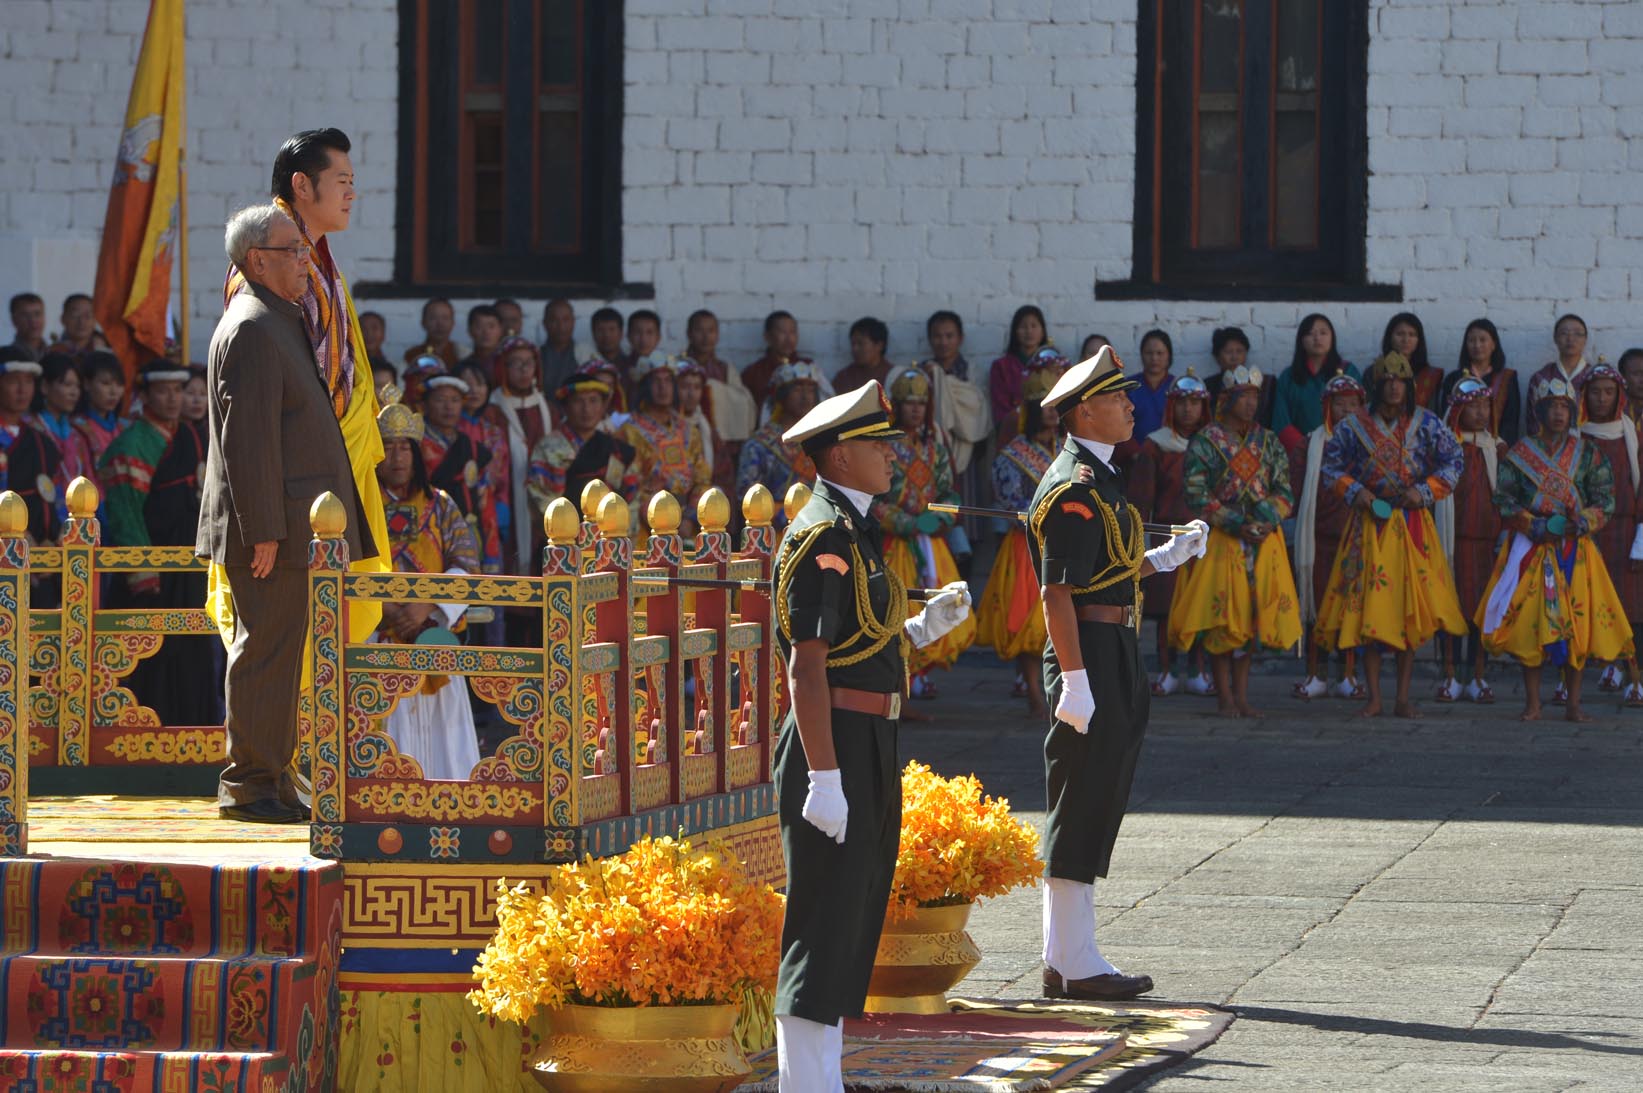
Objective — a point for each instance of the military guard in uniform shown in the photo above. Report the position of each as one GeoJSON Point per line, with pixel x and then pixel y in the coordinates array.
{"type": "Point", "coordinates": [1089, 548]}
{"type": "Point", "coordinates": [842, 624]}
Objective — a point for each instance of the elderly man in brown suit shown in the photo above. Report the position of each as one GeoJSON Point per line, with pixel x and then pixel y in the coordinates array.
{"type": "Point", "coordinates": [275, 447]}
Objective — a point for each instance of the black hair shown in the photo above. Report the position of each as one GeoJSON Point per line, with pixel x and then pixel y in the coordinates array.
{"type": "Point", "coordinates": [74, 297]}
{"type": "Point", "coordinates": [53, 367]}
{"type": "Point", "coordinates": [1332, 362]}
{"type": "Point", "coordinates": [646, 382]}
{"type": "Point", "coordinates": [1222, 335]}
{"type": "Point", "coordinates": [943, 317]}
{"type": "Point", "coordinates": [480, 311]}
{"type": "Point", "coordinates": [19, 300]}
{"type": "Point", "coordinates": [436, 300]}
{"type": "Point", "coordinates": [1497, 359]}
{"type": "Point", "coordinates": [641, 315]}
{"type": "Point", "coordinates": [1032, 418]}
{"type": "Point", "coordinates": [500, 300]}
{"type": "Point", "coordinates": [1635, 353]}
{"type": "Point", "coordinates": [775, 317]}
{"type": "Point", "coordinates": [309, 152]}
{"type": "Point", "coordinates": [1418, 360]}
{"type": "Point", "coordinates": [1012, 347]}
{"type": "Point", "coordinates": [1087, 339]}
{"type": "Point", "coordinates": [1561, 319]}
{"type": "Point", "coordinates": [699, 313]}
{"type": "Point", "coordinates": [9, 353]}
{"type": "Point", "coordinates": [377, 315]}
{"type": "Point", "coordinates": [1169, 346]}
{"type": "Point", "coordinates": [605, 315]}
{"type": "Point", "coordinates": [474, 368]}
{"type": "Point", "coordinates": [555, 302]}
{"type": "Point", "coordinates": [100, 361]}
{"type": "Point", "coordinates": [873, 329]}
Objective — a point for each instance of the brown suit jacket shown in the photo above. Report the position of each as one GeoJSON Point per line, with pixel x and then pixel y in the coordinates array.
{"type": "Point", "coordinates": [275, 441]}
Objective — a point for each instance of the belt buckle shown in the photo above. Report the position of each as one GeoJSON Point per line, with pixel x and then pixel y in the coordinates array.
{"type": "Point", "coordinates": [895, 705]}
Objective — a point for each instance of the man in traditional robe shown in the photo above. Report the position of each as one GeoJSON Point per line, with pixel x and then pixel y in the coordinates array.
{"type": "Point", "coordinates": [559, 359]}
{"type": "Point", "coordinates": [151, 476]}
{"type": "Point", "coordinates": [28, 320]}
{"type": "Point", "coordinates": [438, 320]}
{"type": "Point", "coordinates": [578, 451]}
{"type": "Point", "coordinates": [453, 459]}
{"type": "Point", "coordinates": [28, 460]}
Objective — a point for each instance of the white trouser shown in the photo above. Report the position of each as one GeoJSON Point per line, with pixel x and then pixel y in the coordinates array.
{"type": "Point", "coordinates": [809, 1056]}
{"type": "Point", "coordinates": [1069, 930]}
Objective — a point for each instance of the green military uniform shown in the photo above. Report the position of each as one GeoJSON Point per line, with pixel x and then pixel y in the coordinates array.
{"type": "Point", "coordinates": [1086, 535]}
{"type": "Point", "coordinates": [830, 558]}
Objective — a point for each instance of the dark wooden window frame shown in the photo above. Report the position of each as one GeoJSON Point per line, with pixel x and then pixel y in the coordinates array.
{"type": "Point", "coordinates": [430, 257]}
{"type": "Point", "coordinates": [1164, 200]}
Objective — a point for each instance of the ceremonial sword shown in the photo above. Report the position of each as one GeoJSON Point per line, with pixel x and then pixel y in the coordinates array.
{"type": "Point", "coordinates": [1008, 514]}
{"type": "Point", "coordinates": [760, 586]}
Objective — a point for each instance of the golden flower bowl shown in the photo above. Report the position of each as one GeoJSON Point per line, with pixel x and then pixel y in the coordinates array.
{"type": "Point", "coordinates": [640, 1049]}
{"type": "Point", "coordinates": [920, 959]}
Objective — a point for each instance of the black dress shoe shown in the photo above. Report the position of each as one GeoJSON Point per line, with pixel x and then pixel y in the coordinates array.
{"type": "Point", "coordinates": [1113, 987]}
{"type": "Point", "coordinates": [265, 811]}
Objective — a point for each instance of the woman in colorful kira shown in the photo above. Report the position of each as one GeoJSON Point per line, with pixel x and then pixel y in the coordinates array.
{"type": "Point", "coordinates": [766, 458]}
{"type": "Point", "coordinates": [1011, 617]}
{"type": "Point", "coordinates": [1606, 426]}
{"type": "Point", "coordinates": [1469, 528]}
{"type": "Point", "coordinates": [1320, 521]}
{"type": "Point", "coordinates": [1157, 481]}
{"type": "Point", "coordinates": [668, 451]}
{"type": "Point", "coordinates": [1550, 597]}
{"type": "Point", "coordinates": [915, 539]}
{"type": "Point", "coordinates": [1240, 596]}
{"type": "Point", "coordinates": [1390, 587]}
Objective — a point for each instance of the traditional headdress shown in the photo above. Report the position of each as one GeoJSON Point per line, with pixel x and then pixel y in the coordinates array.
{"type": "Point", "coordinates": [1554, 387]}
{"type": "Point", "coordinates": [1470, 389]}
{"type": "Point", "coordinates": [1392, 366]}
{"type": "Point", "coordinates": [862, 414]}
{"type": "Point", "coordinates": [155, 371]}
{"type": "Point", "coordinates": [1190, 386]}
{"type": "Point", "coordinates": [1603, 370]}
{"type": "Point", "coordinates": [23, 368]}
{"type": "Point", "coordinates": [1245, 376]}
{"type": "Point", "coordinates": [1100, 374]}
{"type": "Point", "coordinates": [1339, 384]}
{"type": "Point", "coordinates": [397, 421]}
{"type": "Point", "coordinates": [654, 361]}
{"type": "Point", "coordinates": [579, 383]}
{"type": "Point", "coordinates": [1049, 358]}
{"type": "Point", "coordinates": [794, 371]}
{"type": "Point", "coordinates": [910, 385]}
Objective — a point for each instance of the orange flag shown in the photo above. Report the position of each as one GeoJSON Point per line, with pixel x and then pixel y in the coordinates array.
{"type": "Point", "coordinates": [140, 230]}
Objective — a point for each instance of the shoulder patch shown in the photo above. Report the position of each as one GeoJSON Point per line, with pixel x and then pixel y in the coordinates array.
{"type": "Point", "coordinates": [1077, 508]}
{"type": "Point", "coordinates": [833, 562]}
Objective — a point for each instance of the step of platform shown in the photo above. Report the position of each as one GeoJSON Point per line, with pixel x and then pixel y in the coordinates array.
{"type": "Point", "coordinates": [168, 974]}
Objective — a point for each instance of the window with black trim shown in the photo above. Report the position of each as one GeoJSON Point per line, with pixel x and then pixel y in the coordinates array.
{"type": "Point", "coordinates": [510, 168]}
{"type": "Point", "coordinates": [1251, 150]}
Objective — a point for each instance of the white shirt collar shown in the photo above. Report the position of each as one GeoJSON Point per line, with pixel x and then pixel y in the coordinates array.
{"type": "Point", "coordinates": [1101, 451]}
{"type": "Point", "coordinates": [862, 501]}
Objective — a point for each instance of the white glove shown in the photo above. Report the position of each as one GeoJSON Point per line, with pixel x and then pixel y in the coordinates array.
{"type": "Point", "coordinates": [1637, 545]}
{"type": "Point", "coordinates": [1077, 705]}
{"type": "Point", "coordinates": [943, 611]}
{"type": "Point", "coordinates": [825, 806]}
{"type": "Point", "coordinates": [1174, 553]}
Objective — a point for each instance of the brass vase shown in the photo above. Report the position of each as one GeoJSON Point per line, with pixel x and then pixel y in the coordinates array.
{"type": "Point", "coordinates": [640, 1049]}
{"type": "Point", "coordinates": [920, 959]}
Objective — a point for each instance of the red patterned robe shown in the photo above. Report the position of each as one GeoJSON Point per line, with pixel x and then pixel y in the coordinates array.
{"type": "Point", "coordinates": [1614, 539]}
{"type": "Point", "coordinates": [1157, 480]}
{"type": "Point", "coordinates": [1477, 523]}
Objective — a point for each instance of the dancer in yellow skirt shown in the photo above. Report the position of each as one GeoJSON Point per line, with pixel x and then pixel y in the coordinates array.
{"type": "Point", "coordinates": [1550, 597]}
{"type": "Point", "coordinates": [1011, 619]}
{"type": "Point", "coordinates": [1390, 586]}
{"type": "Point", "coordinates": [915, 541]}
{"type": "Point", "coordinates": [1241, 593]}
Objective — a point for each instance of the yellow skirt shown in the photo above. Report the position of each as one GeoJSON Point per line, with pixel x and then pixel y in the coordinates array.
{"type": "Point", "coordinates": [1011, 618]}
{"type": "Point", "coordinates": [901, 559]}
{"type": "Point", "coordinates": [1388, 588]}
{"type": "Point", "coordinates": [1215, 598]}
{"type": "Point", "coordinates": [1584, 610]}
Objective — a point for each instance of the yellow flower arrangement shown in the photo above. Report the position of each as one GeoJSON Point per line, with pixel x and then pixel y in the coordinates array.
{"type": "Point", "coordinates": [956, 844]}
{"type": "Point", "coordinates": [662, 924]}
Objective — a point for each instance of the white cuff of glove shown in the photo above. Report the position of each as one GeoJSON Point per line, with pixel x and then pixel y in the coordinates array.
{"type": "Point", "coordinates": [1169, 556]}
{"type": "Point", "coordinates": [942, 613]}
{"type": "Point", "coordinates": [825, 805]}
{"type": "Point", "coordinates": [1076, 705]}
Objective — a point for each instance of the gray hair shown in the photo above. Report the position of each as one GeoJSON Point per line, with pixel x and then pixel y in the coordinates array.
{"type": "Point", "coordinates": [250, 227]}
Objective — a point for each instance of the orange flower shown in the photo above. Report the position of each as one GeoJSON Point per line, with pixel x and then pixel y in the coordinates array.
{"type": "Point", "coordinates": [662, 924]}
{"type": "Point", "coordinates": [956, 844]}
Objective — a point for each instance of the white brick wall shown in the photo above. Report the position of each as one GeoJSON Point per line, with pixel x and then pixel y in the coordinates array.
{"type": "Point", "coordinates": [847, 157]}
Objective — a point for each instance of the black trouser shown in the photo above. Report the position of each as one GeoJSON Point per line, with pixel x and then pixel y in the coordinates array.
{"type": "Point", "coordinates": [1088, 775]}
{"type": "Point", "coordinates": [836, 894]}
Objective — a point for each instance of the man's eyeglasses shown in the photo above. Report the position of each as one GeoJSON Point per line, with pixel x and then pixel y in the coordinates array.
{"type": "Point", "coordinates": [295, 250]}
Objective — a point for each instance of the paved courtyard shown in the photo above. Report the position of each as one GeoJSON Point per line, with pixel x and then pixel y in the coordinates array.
{"type": "Point", "coordinates": [1451, 903]}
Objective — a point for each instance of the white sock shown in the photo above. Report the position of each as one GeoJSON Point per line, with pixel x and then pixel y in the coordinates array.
{"type": "Point", "coordinates": [808, 1056]}
{"type": "Point", "coordinates": [1069, 930]}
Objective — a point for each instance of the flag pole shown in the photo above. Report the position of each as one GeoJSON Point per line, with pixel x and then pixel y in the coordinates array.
{"type": "Point", "coordinates": [182, 187]}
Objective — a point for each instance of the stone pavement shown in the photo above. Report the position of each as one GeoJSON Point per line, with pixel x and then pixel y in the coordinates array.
{"type": "Point", "coordinates": [1451, 903]}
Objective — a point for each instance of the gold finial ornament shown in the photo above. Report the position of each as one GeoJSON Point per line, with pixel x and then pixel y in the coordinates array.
{"type": "Point", "coordinates": [614, 519]}
{"type": "Point", "coordinates": [758, 506]}
{"type": "Point", "coordinates": [83, 498]}
{"type": "Point", "coordinates": [663, 514]}
{"type": "Point", "coordinates": [327, 516]}
{"type": "Point", "coordinates": [713, 510]}
{"type": "Point", "coordinates": [14, 515]}
{"type": "Point", "coordinates": [798, 496]}
{"type": "Point", "coordinates": [593, 495]}
{"type": "Point", "coordinates": [560, 523]}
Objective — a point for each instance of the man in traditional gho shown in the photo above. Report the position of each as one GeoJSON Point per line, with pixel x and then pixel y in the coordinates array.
{"type": "Point", "coordinates": [1390, 586]}
{"type": "Point", "coordinates": [616, 406]}
{"type": "Point", "coordinates": [1157, 481]}
{"type": "Point", "coordinates": [1011, 617]}
{"type": "Point", "coordinates": [766, 458]}
{"type": "Point", "coordinates": [916, 540]}
{"type": "Point", "coordinates": [452, 459]}
{"type": "Point", "coordinates": [151, 497]}
{"type": "Point", "coordinates": [843, 629]}
{"type": "Point", "coordinates": [427, 534]}
{"type": "Point", "coordinates": [1320, 521]}
{"type": "Point", "coordinates": [28, 460]}
{"type": "Point", "coordinates": [1090, 553]}
{"type": "Point", "coordinates": [1469, 528]}
{"type": "Point", "coordinates": [1241, 596]}
{"type": "Point", "coordinates": [523, 417]}
{"type": "Point", "coordinates": [438, 321]}
{"type": "Point", "coordinates": [669, 454]}
{"type": "Point", "coordinates": [578, 451]}
{"type": "Point", "coordinates": [1551, 599]}
{"type": "Point", "coordinates": [1605, 425]}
